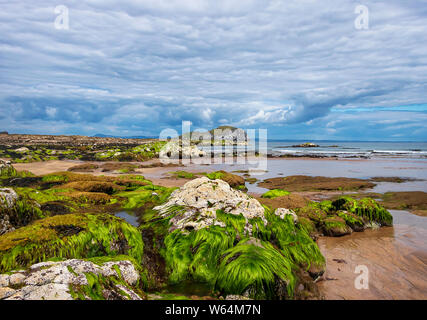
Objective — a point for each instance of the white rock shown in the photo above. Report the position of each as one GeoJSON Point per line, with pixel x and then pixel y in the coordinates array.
{"type": "Point", "coordinates": [51, 280]}
{"type": "Point", "coordinates": [4, 280]}
{"type": "Point", "coordinates": [202, 197]}
{"type": "Point", "coordinates": [282, 212]}
{"type": "Point", "coordinates": [8, 198]}
{"type": "Point", "coordinates": [16, 279]}
{"type": "Point", "coordinates": [22, 150]}
{"type": "Point", "coordinates": [6, 292]}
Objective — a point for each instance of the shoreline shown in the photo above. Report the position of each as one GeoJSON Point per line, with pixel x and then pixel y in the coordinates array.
{"type": "Point", "coordinates": [402, 253]}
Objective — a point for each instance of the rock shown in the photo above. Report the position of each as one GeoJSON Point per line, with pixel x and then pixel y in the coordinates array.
{"type": "Point", "coordinates": [16, 279]}
{"type": "Point", "coordinates": [6, 292]}
{"type": "Point", "coordinates": [6, 169]}
{"type": "Point", "coordinates": [201, 198]}
{"type": "Point", "coordinates": [52, 280]}
{"type": "Point", "coordinates": [335, 227]}
{"type": "Point", "coordinates": [8, 198]}
{"type": "Point", "coordinates": [282, 212]}
{"type": "Point", "coordinates": [22, 150]}
{"type": "Point", "coordinates": [236, 297]}
{"type": "Point", "coordinates": [306, 145]}
{"type": "Point", "coordinates": [4, 280]}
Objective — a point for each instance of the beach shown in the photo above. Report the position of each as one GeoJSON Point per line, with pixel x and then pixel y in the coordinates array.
{"type": "Point", "coordinates": [395, 256]}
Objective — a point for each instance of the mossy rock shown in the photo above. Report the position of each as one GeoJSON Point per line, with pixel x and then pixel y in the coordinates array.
{"type": "Point", "coordinates": [312, 212]}
{"type": "Point", "coordinates": [233, 180]}
{"type": "Point", "coordinates": [353, 221]}
{"type": "Point", "coordinates": [334, 226]}
{"type": "Point", "coordinates": [69, 236]}
{"type": "Point", "coordinates": [366, 208]}
{"type": "Point", "coordinates": [275, 193]}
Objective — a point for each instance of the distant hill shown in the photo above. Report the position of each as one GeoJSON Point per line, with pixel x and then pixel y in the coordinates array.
{"type": "Point", "coordinates": [100, 135]}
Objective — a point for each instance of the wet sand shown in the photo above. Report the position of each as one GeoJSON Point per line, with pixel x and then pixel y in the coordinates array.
{"type": "Point", "coordinates": [396, 258]}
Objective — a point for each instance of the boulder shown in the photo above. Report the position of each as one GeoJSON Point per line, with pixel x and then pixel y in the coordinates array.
{"type": "Point", "coordinates": [22, 150]}
{"type": "Point", "coordinates": [67, 280]}
{"type": "Point", "coordinates": [200, 201]}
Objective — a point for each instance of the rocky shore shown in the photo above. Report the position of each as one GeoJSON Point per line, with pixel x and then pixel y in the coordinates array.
{"type": "Point", "coordinates": [61, 240]}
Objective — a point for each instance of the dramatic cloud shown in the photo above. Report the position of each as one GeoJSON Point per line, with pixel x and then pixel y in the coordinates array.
{"type": "Point", "coordinates": [300, 68]}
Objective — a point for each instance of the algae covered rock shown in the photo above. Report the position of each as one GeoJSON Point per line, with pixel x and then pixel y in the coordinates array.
{"type": "Point", "coordinates": [210, 233]}
{"type": "Point", "coordinates": [73, 279]}
{"type": "Point", "coordinates": [335, 227]}
{"type": "Point", "coordinates": [368, 209]}
{"type": "Point", "coordinates": [69, 236]}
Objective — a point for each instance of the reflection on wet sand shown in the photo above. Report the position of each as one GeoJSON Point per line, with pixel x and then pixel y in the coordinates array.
{"type": "Point", "coordinates": [396, 259]}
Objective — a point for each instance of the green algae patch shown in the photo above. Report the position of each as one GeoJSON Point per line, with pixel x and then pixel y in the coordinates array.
{"type": "Point", "coordinates": [138, 198]}
{"type": "Point", "coordinates": [69, 236]}
{"type": "Point", "coordinates": [256, 269]}
{"type": "Point", "coordinates": [275, 193]}
{"type": "Point", "coordinates": [366, 208]}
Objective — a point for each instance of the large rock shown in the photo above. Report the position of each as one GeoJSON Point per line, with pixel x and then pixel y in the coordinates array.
{"type": "Point", "coordinates": [53, 280]}
{"type": "Point", "coordinates": [201, 198]}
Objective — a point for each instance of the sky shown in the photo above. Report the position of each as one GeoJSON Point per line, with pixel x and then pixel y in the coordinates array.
{"type": "Point", "coordinates": [302, 69]}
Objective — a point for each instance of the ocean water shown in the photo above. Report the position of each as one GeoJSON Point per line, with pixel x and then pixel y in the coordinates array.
{"type": "Point", "coordinates": [347, 149]}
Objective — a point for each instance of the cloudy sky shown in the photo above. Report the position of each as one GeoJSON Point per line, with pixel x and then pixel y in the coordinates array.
{"type": "Point", "coordinates": [302, 69]}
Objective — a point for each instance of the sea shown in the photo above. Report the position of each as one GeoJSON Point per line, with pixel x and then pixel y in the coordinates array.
{"type": "Point", "coordinates": [350, 149]}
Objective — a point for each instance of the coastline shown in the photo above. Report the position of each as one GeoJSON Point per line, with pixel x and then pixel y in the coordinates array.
{"type": "Point", "coordinates": [402, 253]}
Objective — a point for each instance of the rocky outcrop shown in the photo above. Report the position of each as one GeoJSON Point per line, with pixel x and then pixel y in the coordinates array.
{"type": "Point", "coordinates": [306, 145]}
{"type": "Point", "coordinates": [8, 198]}
{"type": "Point", "coordinates": [67, 280]}
{"type": "Point", "coordinates": [175, 150]}
{"type": "Point", "coordinates": [200, 200]}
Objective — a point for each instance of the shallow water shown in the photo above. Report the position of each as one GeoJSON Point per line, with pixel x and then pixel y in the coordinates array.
{"type": "Point", "coordinates": [396, 258]}
{"type": "Point", "coordinates": [128, 217]}
{"type": "Point", "coordinates": [363, 169]}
